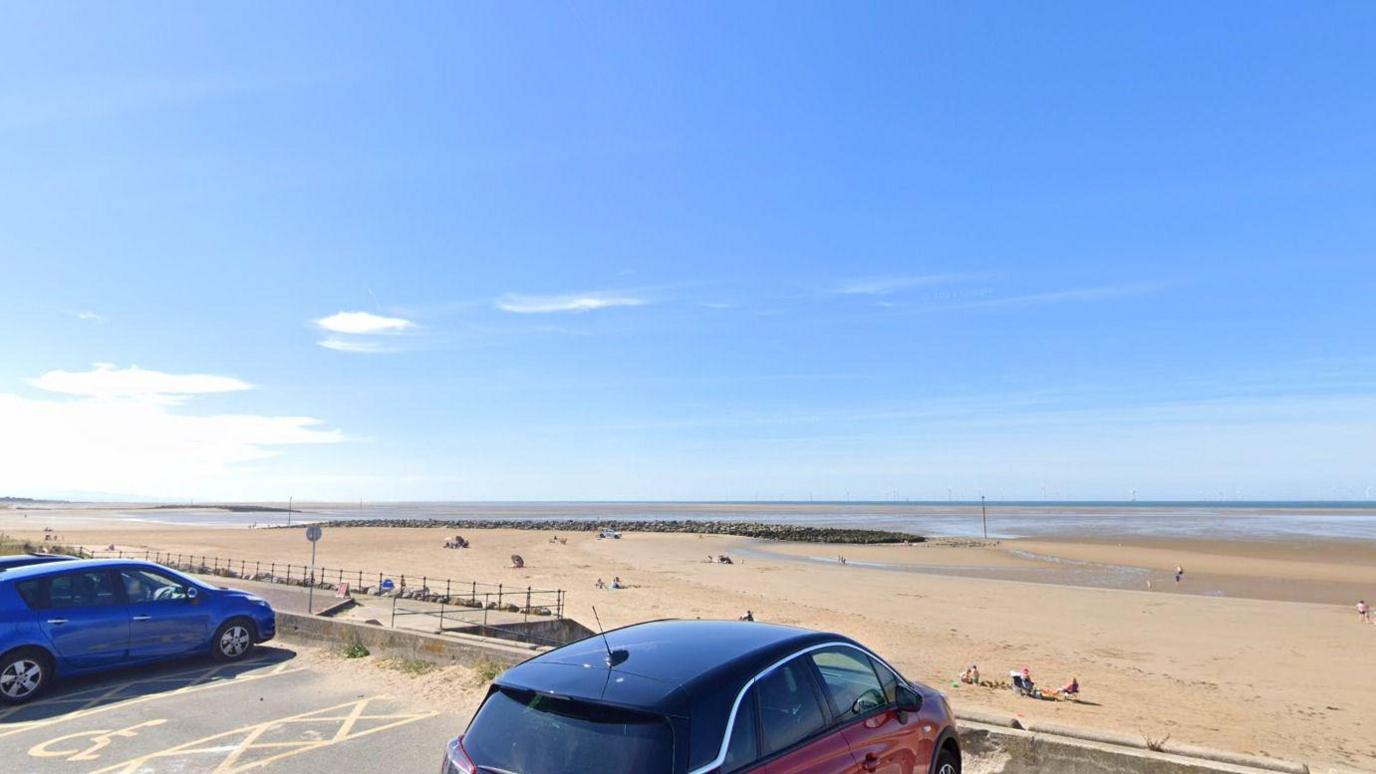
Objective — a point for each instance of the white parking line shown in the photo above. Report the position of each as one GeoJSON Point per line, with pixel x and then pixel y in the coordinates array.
{"type": "Point", "coordinates": [89, 707]}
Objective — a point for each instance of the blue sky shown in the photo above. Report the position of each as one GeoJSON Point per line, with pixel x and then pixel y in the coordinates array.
{"type": "Point", "coordinates": [688, 251]}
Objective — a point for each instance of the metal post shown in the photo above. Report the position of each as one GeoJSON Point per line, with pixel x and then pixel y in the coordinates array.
{"type": "Point", "coordinates": [499, 596]}
{"type": "Point", "coordinates": [486, 601]}
{"type": "Point", "coordinates": [984, 517]}
{"type": "Point", "coordinates": [441, 630]}
{"type": "Point", "coordinates": [310, 593]}
{"type": "Point", "coordinates": [394, 611]}
{"type": "Point", "coordinates": [527, 610]}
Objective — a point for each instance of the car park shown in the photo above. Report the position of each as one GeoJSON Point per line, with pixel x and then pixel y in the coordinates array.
{"type": "Point", "coordinates": [708, 697]}
{"type": "Point", "coordinates": [72, 617]}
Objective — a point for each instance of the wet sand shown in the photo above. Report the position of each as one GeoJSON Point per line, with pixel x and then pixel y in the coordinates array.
{"type": "Point", "coordinates": [1250, 672]}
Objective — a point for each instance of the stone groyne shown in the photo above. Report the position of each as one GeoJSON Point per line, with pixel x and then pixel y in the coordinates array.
{"type": "Point", "coordinates": [789, 532]}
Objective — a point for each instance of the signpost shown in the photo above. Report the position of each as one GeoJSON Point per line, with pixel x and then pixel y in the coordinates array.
{"type": "Point", "coordinates": [313, 535]}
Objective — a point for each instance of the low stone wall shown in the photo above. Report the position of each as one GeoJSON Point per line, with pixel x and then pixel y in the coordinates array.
{"type": "Point", "coordinates": [549, 631]}
{"type": "Point", "coordinates": [400, 643]}
{"type": "Point", "coordinates": [996, 745]}
{"type": "Point", "coordinates": [789, 532]}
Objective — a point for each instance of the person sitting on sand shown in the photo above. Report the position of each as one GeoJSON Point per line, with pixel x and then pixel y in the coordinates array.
{"type": "Point", "coordinates": [601, 584]}
{"type": "Point", "coordinates": [970, 675]}
{"type": "Point", "coordinates": [1363, 612]}
{"type": "Point", "coordinates": [617, 584]}
{"type": "Point", "coordinates": [1072, 689]}
{"type": "Point", "coordinates": [749, 616]}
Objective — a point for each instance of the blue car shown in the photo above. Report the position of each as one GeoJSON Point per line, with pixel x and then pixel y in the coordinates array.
{"type": "Point", "coordinates": [11, 561]}
{"type": "Point", "coordinates": [88, 615]}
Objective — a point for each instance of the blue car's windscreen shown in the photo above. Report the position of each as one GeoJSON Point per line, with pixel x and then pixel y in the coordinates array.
{"type": "Point", "coordinates": [526, 733]}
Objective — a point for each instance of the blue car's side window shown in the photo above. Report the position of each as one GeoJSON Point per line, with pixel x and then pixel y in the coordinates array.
{"type": "Point", "coordinates": [149, 586]}
{"type": "Point", "coordinates": [33, 593]}
{"type": "Point", "coordinates": [94, 588]}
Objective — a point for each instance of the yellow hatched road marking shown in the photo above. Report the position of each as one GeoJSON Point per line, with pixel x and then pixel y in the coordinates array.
{"type": "Point", "coordinates": [249, 735]}
{"type": "Point", "coordinates": [88, 707]}
{"type": "Point", "coordinates": [99, 738]}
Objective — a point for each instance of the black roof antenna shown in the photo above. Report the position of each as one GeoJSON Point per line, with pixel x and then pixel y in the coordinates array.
{"type": "Point", "coordinates": [614, 657]}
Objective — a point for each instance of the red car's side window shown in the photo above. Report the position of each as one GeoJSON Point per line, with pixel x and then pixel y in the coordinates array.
{"type": "Point", "coordinates": [788, 705]}
{"type": "Point", "coordinates": [849, 681]}
{"type": "Point", "coordinates": [744, 747]}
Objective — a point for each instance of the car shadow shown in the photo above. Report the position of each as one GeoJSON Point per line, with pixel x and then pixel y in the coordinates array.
{"type": "Point", "coordinates": [88, 693]}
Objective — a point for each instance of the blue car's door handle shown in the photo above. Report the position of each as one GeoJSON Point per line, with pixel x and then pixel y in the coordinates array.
{"type": "Point", "coordinates": [142, 617]}
{"type": "Point", "coordinates": [57, 621]}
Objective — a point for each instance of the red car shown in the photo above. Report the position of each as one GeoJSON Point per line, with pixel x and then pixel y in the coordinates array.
{"type": "Point", "coordinates": [708, 697]}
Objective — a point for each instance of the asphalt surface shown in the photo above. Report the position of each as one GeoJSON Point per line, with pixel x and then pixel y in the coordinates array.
{"type": "Point", "coordinates": [270, 713]}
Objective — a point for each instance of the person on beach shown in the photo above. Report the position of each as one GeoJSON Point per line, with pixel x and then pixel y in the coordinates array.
{"type": "Point", "coordinates": [601, 584]}
{"type": "Point", "coordinates": [970, 675]}
{"type": "Point", "coordinates": [749, 616]}
{"type": "Point", "coordinates": [1363, 612]}
{"type": "Point", "coordinates": [1179, 571]}
{"type": "Point", "coordinates": [616, 583]}
{"type": "Point", "coordinates": [841, 559]}
{"type": "Point", "coordinates": [1072, 689]}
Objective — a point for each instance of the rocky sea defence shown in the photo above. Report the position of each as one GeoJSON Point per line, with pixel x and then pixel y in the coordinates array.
{"type": "Point", "coordinates": [785, 532]}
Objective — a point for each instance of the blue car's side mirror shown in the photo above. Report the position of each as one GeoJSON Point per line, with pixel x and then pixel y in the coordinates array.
{"type": "Point", "coordinates": [192, 592]}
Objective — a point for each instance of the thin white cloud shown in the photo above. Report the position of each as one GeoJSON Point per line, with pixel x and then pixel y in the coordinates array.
{"type": "Point", "coordinates": [366, 346]}
{"type": "Point", "coordinates": [1100, 293]}
{"type": "Point", "coordinates": [123, 431]}
{"type": "Point", "coordinates": [883, 286]}
{"type": "Point", "coordinates": [87, 315]}
{"type": "Point", "coordinates": [363, 323]}
{"type": "Point", "coordinates": [105, 381]}
{"type": "Point", "coordinates": [585, 302]}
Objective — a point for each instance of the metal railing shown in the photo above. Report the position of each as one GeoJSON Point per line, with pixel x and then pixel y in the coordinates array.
{"type": "Point", "coordinates": [463, 618]}
{"type": "Point", "coordinates": [468, 594]}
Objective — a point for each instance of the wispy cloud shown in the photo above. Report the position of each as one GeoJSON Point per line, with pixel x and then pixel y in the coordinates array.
{"type": "Point", "coordinates": [105, 381]}
{"type": "Point", "coordinates": [363, 323]}
{"type": "Point", "coordinates": [583, 302]}
{"type": "Point", "coordinates": [367, 346]}
{"type": "Point", "coordinates": [362, 332]}
{"type": "Point", "coordinates": [883, 286]}
{"type": "Point", "coordinates": [87, 315]}
{"type": "Point", "coordinates": [120, 430]}
{"type": "Point", "coordinates": [1097, 293]}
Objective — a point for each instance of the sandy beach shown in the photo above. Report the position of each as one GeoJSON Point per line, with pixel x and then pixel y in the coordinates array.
{"type": "Point", "coordinates": [1258, 650]}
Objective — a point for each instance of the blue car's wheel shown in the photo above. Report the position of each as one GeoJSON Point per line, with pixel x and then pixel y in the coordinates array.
{"type": "Point", "coordinates": [24, 674]}
{"type": "Point", "coordinates": [233, 640]}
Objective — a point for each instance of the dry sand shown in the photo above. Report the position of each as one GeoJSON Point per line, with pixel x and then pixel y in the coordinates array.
{"type": "Point", "coordinates": [1261, 675]}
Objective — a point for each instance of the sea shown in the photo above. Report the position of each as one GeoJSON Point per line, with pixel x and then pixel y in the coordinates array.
{"type": "Point", "coordinates": [1224, 520]}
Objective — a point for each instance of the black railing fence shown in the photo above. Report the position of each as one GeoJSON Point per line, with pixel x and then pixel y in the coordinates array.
{"type": "Point", "coordinates": [447, 591]}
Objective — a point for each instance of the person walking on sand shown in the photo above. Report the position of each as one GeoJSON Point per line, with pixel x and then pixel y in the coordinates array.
{"type": "Point", "coordinates": [1179, 571]}
{"type": "Point", "coordinates": [1363, 612]}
